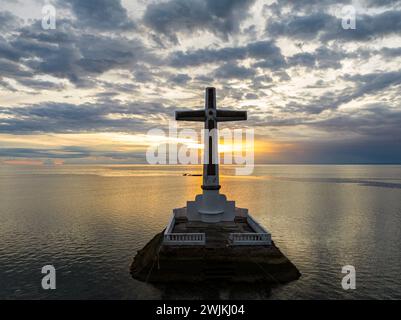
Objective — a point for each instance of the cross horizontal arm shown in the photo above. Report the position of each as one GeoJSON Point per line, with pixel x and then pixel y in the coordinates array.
{"type": "Point", "coordinates": [228, 115]}
{"type": "Point", "coordinates": [195, 115]}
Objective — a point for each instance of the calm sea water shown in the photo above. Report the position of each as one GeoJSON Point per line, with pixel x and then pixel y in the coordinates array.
{"type": "Point", "coordinates": [89, 221]}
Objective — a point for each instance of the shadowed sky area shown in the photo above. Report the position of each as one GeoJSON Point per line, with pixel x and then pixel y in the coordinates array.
{"type": "Point", "coordinates": [89, 90]}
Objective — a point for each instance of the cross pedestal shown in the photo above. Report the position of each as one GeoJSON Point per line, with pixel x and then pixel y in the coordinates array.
{"type": "Point", "coordinates": [210, 206]}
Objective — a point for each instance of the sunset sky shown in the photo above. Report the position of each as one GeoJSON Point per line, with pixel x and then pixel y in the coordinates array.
{"type": "Point", "coordinates": [89, 91]}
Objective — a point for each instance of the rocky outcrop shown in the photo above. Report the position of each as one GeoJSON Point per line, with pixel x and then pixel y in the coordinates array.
{"type": "Point", "coordinates": [156, 263]}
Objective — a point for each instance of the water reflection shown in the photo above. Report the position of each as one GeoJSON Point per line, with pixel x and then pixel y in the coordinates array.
{"type": "Point", "coordinates": [89, 222]}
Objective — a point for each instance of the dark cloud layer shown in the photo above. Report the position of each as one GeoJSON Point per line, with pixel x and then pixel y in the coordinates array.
{"type": "Point", "coordinates": [266, 50]}
{"type": "Point", "coordinates": [59, 153]}
{"type": "Point", "coordinates": [231, 70]}
{"type": "Point", "coordinates": [308, 5]}
{"type": "Point", "coordinates": [100, 14]}
{"type": "Point", "coordinates": [350, 151]}
{"type": "Point", "coordinates": [72, 154]}
{"type": "Point", "coordinates": [266, 54]}
{"type": "Point", "coordinates": [326, 27]}
{"type": "Point", "coordinates": [377, 122]}
{"type": "Point", "coordinates": [382, 3]}
{"type": "Point", "coordinates": [221, 17]}
{"type": "Point", "coordinates": [8, 21]}
{"type": "Point", "coordinates": [70, 118]}
{"type": "Point", "coordinates": [297, 39]}
{"type": "Point", "coordinates": [361, 85]}
{"type": "Point", "coordinates": [67, 54]}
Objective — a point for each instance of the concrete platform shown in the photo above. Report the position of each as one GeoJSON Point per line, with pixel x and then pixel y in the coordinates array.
{"type": "Point", "coordinates": [243, 229]}
{"type": "Point", "coordinates": [217, 234]}
{"type": "Point", "coordinates": [157, 263]}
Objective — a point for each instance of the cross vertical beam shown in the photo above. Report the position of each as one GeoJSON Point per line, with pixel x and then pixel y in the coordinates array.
{"type": "Point", "coordinates": [211, 156]}
{"type": "Point", "coordinates": [211, 116]}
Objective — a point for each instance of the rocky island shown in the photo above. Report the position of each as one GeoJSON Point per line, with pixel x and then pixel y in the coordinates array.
{"type": "Point", "coordinates": [160, 264]}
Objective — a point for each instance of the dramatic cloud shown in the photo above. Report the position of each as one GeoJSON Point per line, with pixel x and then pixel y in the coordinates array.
{"type": "Point", "coordinates": [306, 27]}
{"type": "Point", "coordinates": [266, 50]}
{"type": "Point", "coordinates": [351, 151]}
{"type": "Point", "coordinates": [59, 153]}
{"type": "Point", "coordinates": [228, 71]}
{"type": "Point", "coordinates": [382, 3]}
{"type": "Point", "coordinates": [8, 21]}
{"type": "Point", "coordinates": [326, 27]}
{"type": "Point", "coordinates": [309, 5]}
{"type": "Point", "coordinates": [180, 78]}
{"type": "Point", "coordinates": [69, 118]}
{"type": "Point", "coordinates": [66, 53]}
{"type": "Point", "coordinates": [367, 84]}
{"type": "Point", "coordinates": [377, 120]}
{"type": "Point", "coordinates": [100, 14]}
{"type": "Point", "coordinates": [221, 17]}
{"type": "Point", "coordinates": [114, 67]}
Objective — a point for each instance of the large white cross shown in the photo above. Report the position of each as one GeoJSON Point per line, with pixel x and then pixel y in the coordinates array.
{"type": "Point", "coordinates": [210, 116]}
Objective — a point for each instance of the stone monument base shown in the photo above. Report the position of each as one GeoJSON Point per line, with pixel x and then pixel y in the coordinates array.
{"type": "Point", "coordinates": [211, 207]}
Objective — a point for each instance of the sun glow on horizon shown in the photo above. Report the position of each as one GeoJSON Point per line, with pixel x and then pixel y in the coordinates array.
{"type": "Point", "coordinates": [60, 145]}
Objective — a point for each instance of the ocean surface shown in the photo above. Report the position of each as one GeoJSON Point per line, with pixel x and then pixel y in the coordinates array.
{"type": "Point", "coordinates": [89, 221]}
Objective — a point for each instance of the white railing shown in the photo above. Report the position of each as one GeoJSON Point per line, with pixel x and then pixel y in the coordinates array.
{"type": "Point", "coordinates": [178, 239]}
{"type": "Point", "coordinates": [184, 238]}
{"type": "Point", "coordinates": [250, 238]}
{"type": "Point", "coordinates": [255, 225]}
{"type": "Point", "coordinates": [170, 225]}
{"type": "Point", "coordinates": [259, 237]}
